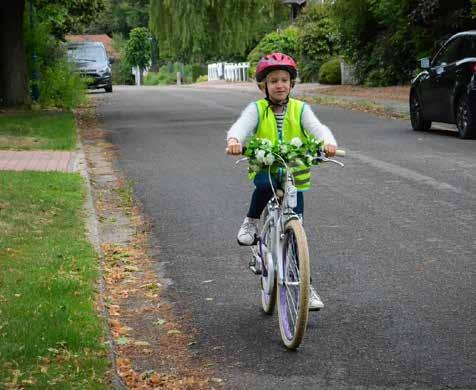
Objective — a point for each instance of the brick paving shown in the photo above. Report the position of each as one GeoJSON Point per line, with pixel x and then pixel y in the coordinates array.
{"type": "Point", "coordinates": [38, 161]}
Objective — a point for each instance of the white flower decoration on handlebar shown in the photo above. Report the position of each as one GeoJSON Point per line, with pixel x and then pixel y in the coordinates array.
{"type": "Point", "coordinates": [262, 154]}
{"type": "Point", "coordinates": [296, 142]}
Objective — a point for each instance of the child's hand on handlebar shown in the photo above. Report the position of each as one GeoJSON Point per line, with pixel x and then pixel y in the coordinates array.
{"type": "Point", "coordinates": [234, 147]}
{"type": "Point", "coordinates": [330, 150]}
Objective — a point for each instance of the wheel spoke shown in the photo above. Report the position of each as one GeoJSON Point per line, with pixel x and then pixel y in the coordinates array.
{"type": "Point", "coordinates": [291, 255]}
{"type": "Point", "coordinates": [291, 315]}
{"type": "Point", "coordinates": [292, 282]}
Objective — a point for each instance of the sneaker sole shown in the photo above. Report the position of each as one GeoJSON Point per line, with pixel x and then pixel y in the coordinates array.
{"type": "Point", "coordinates": [253, 243]}
{"type": "Point", "coordinates": [315, 308]}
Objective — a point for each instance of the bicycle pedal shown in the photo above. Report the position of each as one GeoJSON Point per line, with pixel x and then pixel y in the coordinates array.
{"type": "Point", "coordinates": [255, 270]}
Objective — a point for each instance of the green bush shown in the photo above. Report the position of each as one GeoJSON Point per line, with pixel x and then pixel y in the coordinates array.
{"type": "Point", "coordinates": [122, 73]}
{"type": "Point", "coordinates": [285, 41]}
{"type": "Point", "coordinates": [162, 77]}
{"type": "Point", "coordinates": [157, 78]}
{"type": "Point", "coordinates": [202, 79]}
{"type": "Point", "coordinates": [193, 71]}
{"type": "Point", "coordinates": [329, 73]}
{"type": "Point", "coordinates": [167, 74]}
{"type": "Point", "coordinates": [61, 86]}
{"type": "Point", "coordinates": [121, 69]}
{"type": "Point", "coordinates": [316, 40]}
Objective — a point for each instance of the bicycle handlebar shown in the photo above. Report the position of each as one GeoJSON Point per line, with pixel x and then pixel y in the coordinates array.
{"type": "Point", "coordinates": [339, 152]}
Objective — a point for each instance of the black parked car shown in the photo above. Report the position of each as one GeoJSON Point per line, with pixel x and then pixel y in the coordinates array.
{"type": "Point", "coordinates": [92, 61]}
{"type": "Point", "coordinates": [446, 89]}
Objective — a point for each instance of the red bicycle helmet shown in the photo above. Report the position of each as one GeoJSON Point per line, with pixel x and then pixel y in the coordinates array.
{"type": "Point", "coordinates": [275, 61]}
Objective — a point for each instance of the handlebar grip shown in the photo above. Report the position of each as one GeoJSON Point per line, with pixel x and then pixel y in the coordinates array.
{"type": "Point", "coordinates": [340, 153]}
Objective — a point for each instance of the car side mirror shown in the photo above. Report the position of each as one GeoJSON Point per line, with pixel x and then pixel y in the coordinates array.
{"type": "Point", "coordinates": [425, 63]}
{"type": "Point", "coordinates": [112, 60]}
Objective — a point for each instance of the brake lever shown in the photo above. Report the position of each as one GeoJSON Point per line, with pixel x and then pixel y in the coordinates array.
{"type": "Point", "coordinates": [327, 159]}
{"type": "Point", "coordinates": [241, 160]}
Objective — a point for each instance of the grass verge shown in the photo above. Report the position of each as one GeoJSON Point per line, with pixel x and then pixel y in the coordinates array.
{"type": "Point", "coordinates": [50, 332]}
{"type": "Point", "coordinates": [358, 105]}
{"type": "Point", "coordinates": [37, 130]}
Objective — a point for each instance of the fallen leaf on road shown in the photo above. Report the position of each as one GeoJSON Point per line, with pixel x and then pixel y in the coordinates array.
{"type": "Point", "coordinates": [141, 343]}
{"type": "Point", "coordinates": [122, 341]}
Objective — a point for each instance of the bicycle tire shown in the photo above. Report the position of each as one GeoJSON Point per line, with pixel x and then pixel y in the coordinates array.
{"type": "Point", "coordinates": [295, 243]}
{"type": "Point", "coordinates": [268, 301]}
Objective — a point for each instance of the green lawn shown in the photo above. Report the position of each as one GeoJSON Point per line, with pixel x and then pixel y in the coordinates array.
{"type": "Point", "coordinates": [37, 130]}
{"type": "Point", "coordinates": [50, 332]}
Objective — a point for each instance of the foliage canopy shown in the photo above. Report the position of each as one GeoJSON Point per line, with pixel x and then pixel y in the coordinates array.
{"type": "Point", "coordinates": [66, 16]}
{"type": "Point", "coordinates": [209, 29]}
{"type": "Point", "coordinates": [137, 49]}
{"type": "Point", "coordinates": [384, 38]}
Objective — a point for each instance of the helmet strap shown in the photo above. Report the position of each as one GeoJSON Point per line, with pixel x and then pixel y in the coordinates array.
{"type": "Point", "coordinates": [272, 104]}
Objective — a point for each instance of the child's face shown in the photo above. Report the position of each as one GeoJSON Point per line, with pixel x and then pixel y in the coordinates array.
{"type": "Point", "coordinates": [279, 85]}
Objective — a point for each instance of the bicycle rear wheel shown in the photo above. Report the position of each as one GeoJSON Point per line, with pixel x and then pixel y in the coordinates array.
{"type": "Point", "coordinates": [268, 300]}
{"type": "Point", "coordinates": [293, 294]}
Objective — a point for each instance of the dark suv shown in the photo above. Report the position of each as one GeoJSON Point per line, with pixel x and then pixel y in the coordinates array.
{"type": "Point", "coordinates": [446, 89]}
{"type": "Point", "coordinates": [92, 61]}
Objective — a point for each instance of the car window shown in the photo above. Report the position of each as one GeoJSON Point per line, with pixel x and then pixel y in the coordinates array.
{"type": "Point", "coordinates": [87, 53]}
{"type": "Point", "coordinates": [469, 46]}
{"type": "Point", "coordinates": [452, 52]}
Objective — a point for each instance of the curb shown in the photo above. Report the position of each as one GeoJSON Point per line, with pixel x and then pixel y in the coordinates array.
{"type": "Point", "coordinates": [92, 227]}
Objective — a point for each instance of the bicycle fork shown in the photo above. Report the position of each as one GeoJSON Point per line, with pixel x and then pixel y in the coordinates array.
{"type": "Point", "coordinates": [255, 265]}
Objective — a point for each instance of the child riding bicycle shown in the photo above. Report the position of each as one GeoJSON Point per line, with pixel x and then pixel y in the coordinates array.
{"type": "Point", "coordinates": [277, 117]}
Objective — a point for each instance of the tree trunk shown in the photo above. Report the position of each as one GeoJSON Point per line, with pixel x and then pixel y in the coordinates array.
{"type": "Point", "coordinates": [13, 68]}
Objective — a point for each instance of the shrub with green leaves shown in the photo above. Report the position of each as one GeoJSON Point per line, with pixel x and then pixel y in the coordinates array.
{"type": "Point", "coordinates": [329, 73]}
{"type": "Point", "coordinates": [167, 74]}
{"type": "Point", "coordinates": [316, 40]}
{"type": "Point", "coordinates": [122, 73]}
{"type": "Point", "coordinates": [202, 79]}
{"type": "Point", "coordinates": [163, 77]}
{"type": "Point", "coordinates": [121, 69]}
{"type": "Point", "coordinates": [193, 71]}
{"type": "Point", "coordinates": [61, 86]}
{"type": "Point", "coordinates": [285, 41]}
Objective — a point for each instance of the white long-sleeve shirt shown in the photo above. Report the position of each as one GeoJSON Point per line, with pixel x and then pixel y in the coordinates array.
{"type": "Point", "coordinates": [246, 124]}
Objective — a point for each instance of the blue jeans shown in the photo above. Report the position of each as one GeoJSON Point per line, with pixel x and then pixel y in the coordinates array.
{"type": "Point", "coordinates": [263, 193]}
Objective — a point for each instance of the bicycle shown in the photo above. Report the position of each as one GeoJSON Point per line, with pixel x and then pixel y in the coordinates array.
{"type": "Point", "coordinates": [281, 258]}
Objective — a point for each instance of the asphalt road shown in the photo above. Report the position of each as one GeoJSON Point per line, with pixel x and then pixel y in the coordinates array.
{"type": "Point", "coordinates": [392, 241]}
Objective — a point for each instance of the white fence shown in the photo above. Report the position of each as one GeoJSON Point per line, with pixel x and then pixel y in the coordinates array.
{"type": "Point", "coordinates": [228, 71]}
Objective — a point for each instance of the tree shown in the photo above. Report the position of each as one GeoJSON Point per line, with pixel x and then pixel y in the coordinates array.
{"type": "Point", "coordinates": [61, 14]}
{"type": "Point", "coordinates": [120, 16]}
{"type": "Point", "coordinates": [13, 71]}
{"type": "Point", "coordinates": [383, 38]}
{"type": "Point", "coordinates": [137, 50]}
{"type": "Point", "coordinates": [317, 40]}
{"type": "Point", "coordinates": [198, 30]}
{"type": "Point", "coordinates": [66, 16]}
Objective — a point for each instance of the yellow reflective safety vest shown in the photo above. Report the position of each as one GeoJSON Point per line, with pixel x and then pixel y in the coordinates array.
{"type": "Point", "coordinates": [267, 128]}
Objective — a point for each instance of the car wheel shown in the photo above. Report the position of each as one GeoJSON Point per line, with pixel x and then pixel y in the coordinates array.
{"type": "Point", "coordinates": [416, 114]}
{"type": "Point", "coordinates": [465, 120]}
{"type": "Point", "coordinates": [108, 88]}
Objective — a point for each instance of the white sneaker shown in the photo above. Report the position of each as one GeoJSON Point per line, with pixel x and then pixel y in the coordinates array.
{"type": "Point", "coordinates": [315, 302]}
{"type": "Point", "coordinates": [248, 231]}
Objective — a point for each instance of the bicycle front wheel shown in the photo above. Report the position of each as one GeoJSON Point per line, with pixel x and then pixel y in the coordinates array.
{"type": "Point", "coordinates": [268, 298]}
{"type": "Point", "coordinates": [293, 293]}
